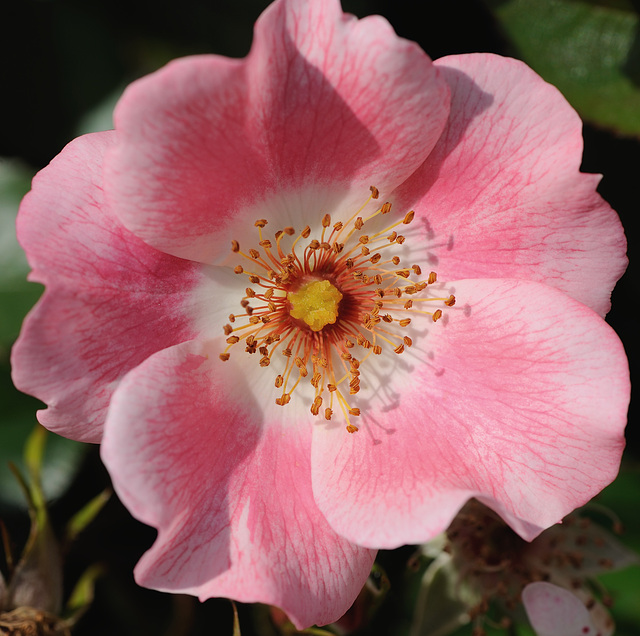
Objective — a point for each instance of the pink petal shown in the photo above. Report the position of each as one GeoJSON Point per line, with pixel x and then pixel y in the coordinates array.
{"type": "Point", "coordinates": [110, 300]}
{"type": "Point", "coordinates": [555, 611]}
{"type": "Point", "coordinates": [190, 454]}
{"type": "Point", "coordinates": [323, 104]}
{"type": "Point", "coordinates": [517, 397]}
{"type": "Point", "coordinates": [501, 194]}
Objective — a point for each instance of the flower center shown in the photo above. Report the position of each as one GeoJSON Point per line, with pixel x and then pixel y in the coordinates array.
{"type": "Point", "coordinates": [316, 303]}
{"type": "Point", "coordinates": [309, 309]}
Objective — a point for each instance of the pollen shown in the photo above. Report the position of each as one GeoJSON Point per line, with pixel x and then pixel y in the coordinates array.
{"type": "Point", "coordinates": [316, 303]}
{"type": "Point", "coordinates": [319, 306]}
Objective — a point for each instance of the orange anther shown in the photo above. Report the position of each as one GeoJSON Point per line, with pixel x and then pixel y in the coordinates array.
{"type": "Point", "coordinates": [408, 217]}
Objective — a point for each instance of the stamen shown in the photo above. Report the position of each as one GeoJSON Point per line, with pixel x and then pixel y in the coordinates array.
{"type": "Point", "coordinates": [315, 304]}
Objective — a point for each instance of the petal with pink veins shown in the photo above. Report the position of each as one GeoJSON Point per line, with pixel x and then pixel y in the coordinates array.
{"type": "Point", "coordinates": [502, 195]}
{"type": "Point", "coordinates": [191, 453]}
{"type": "Point", "coordinates": [555, 611]}
{"type": "Point", "coordinates": [517, 396]}
{"type": "Point", "coordinates": [323, 107]}
{"type": "Point", "coordinates": [110, 299]}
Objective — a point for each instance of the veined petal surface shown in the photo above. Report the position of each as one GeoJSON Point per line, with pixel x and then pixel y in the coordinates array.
{"type": "Point", "coordinates": [502, 195]}
{"type": "Point", "coordinates": [110, 299]}
{"type": "Point", "coordinates": [191, 453]}
{"type": "Point", "coordinates": [518, 397]}
{"type": "Point", "coordinates": [324, 103]}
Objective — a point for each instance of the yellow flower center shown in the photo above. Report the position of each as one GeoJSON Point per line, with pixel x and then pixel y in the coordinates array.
{"type": "Point", "coordinates": [323, 309]}
{"type": "Point", "coordinates": [316, 303]}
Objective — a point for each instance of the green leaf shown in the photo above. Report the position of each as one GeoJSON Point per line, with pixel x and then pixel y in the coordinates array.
{"type": "Point", "coordinates": [622, 498]}
{"type": "Point", "coordinates": [624, 586]}
{"type": "Point", "coordinates": [82, 594]}
{"type": "Point", "coordinates": [17, 296]}
{"type": "Point", "coordinates": [33, 457]}
{"type": "Point", "coordinates": [587, 49]}
{"type": "Point", "coordinates": [86, 515]}
{"type": "Point", "coordinates": [440, 608]}
{"type": "Point", "coordinates": [62, 458]}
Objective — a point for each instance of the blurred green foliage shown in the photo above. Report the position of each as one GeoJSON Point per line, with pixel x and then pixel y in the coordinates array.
{"type": "Point", "coordinates": [589, 50]}
{"type": "Point", "coordinates": [17, 296]}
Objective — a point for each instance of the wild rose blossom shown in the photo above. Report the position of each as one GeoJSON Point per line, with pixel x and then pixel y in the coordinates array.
{"type": "Point", "coordinates": [416, 239]}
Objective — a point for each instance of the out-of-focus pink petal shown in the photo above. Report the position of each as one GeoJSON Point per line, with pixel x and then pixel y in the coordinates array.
{"type": "Point", "coordinates": [230, 494]}
{"type": "Point", "coordinates": [110, 299]}
{"type": "Point", "coordinates": [555, 611]}
{"type": "Point", "coordinates": [501, 195]}
{"type": "Point", "coordinates": [324, 103]}
{"type": "Point", "coordinates": [517, 396]}
{"type": "Point", "coordinates": [600, 551]}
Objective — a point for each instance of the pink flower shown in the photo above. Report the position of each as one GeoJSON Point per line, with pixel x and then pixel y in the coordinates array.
{"type": "Point", "coordinates": [516, 396]}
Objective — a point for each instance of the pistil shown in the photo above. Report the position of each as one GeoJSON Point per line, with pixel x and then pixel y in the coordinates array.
{"type": "Point", "coordinates": [314, 308]}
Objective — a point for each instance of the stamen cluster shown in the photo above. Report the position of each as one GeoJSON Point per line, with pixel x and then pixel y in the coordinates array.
{"type": "Point", "coordinates": [376, 303]}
